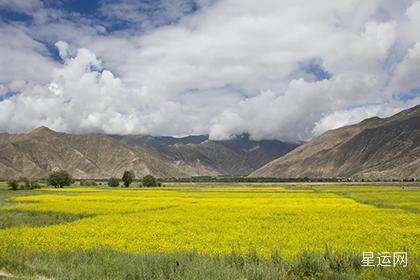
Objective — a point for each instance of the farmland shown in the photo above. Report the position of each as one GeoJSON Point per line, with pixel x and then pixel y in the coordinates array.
{"type": "Point", "coordinates": [83, 233]}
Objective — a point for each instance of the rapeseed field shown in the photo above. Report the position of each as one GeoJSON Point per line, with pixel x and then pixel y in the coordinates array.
{"type": "Point", "coordinates": [219, 220]}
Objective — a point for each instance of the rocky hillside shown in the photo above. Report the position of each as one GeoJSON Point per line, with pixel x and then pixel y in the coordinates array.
{"type": "Point", "coordinates": [197, 155]}
{"type": "Point", "coordinates": [36, 153]}
{"type": "Point", "coordinates": [84, 156]}
{"type": "Point", "coordinates": [375, 148]}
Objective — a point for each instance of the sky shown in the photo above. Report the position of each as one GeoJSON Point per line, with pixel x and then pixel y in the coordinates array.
{"type": "Point", "coordinates": [287, 70]}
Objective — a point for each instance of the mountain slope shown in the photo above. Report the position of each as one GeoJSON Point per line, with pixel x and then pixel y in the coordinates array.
{"type": "Point", "coordinates": [36, 153]}
{"type": "Point", "coordinates": [375, 148]}
{"type": "Point", "coordinates": [84, 156]}
{"type": "Point", "coordinates": [197, 155]}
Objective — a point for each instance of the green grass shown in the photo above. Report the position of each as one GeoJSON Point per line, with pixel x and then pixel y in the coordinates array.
{"type": "Point", "coordinates": [400, 197]}
{"type": "Point", "coordinates": [108, 264]}
{"type": "Point", "coordinates": [13, 218]}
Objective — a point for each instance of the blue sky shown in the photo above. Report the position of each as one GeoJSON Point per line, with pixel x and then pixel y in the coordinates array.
{"type": "Point", "coordinates": [153, 11]}
{"type": "Point", "coordinates": [284, 70]}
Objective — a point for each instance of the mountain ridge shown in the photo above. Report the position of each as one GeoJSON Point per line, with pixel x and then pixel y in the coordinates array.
{"type": "Point", "coordinates": [85, 156]}
{"type": "Point", "coordinates": [238, 156]}
{"type": "Point", "coordinates": [100, 156]}
{"type": "Point", "coordinates": [375, 148]}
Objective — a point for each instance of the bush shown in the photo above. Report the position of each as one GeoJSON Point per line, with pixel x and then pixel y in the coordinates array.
{"type": "Point", "coordinates": [114, 182]}
{"type": "Point", "coordinates": [128, 178]}
{"type": "Point", "coordinates": [13, 184]}
{"type": "Point", "coordinates": [29, 184]}
{"type": "Point", "coordinates": [88, 183]}
{"type": "Point", "coordinates": [149, 181]}
{"type": "Point", "coordinates": [59, 179]}
{"type": "Point", "coordinates": [22, 183]}
{"type": "Point", "coordinates": [35, 185]}
{"type": "Point", "coordinates": [26, 184]}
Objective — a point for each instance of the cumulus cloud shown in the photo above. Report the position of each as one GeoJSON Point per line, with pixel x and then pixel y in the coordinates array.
{"type": "Point", "coordinates": [85, 97]}
{"type": "Point", "coordinates": [350, 116]}
{"type": "Point", "coordinates": [284, 70]}
{"type": "Point", "coordinates": [23, 58]}
{"type": "Point", "coordinates": [406, 76]}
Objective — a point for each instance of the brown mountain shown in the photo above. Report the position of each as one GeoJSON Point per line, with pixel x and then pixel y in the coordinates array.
{"type": "Point", "coordinates": [37, 153]}
{"type": "Point", "coordinates": [84, 156]}
{"type": "Point", "coordinates": [198, 155]}
{"type": "Point", "coordinates": [375, 148]}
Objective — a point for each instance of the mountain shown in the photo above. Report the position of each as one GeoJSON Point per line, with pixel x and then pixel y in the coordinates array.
{"type": "Point", "coordinates": [159, 141]}
{"type": "Point", "coordinates": [37, 153]}
{"type": "Point", "coordinates": [85, 156]}
{"type": "Point", "coordinates": [376, 148]}
{"type": "Point", "coordinates": [198, 155]}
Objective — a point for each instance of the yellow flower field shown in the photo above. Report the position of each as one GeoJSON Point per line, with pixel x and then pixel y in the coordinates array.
{"type": "Point", "coordinates": [217, 220]}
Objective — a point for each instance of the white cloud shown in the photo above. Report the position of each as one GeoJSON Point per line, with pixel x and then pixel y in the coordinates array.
{"type": "Point", "coordinates": [21, 6]}
{"type": "Point", "coordinates": [407, 74]}
{"type": "Point", "coordinates": [232, 67]}
{"type": "Point", "coordinates": [84, 97]}
{"type": "Point", "coordinates": [63, 49]}
{"type": "Point", "coordinates": [22, 58]}
{"type": "Point", "coordinates": [351, 116]}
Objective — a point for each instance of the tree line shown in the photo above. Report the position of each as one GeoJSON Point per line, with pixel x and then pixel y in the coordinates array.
{"type": "Point", "coordinates": [62, 178]}
{"type": "Point", "coordinates": [22, 183]}
{"type": "Point", "coordinates": [128, 178]}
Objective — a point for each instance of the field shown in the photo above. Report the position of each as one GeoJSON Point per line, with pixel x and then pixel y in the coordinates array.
{"type": "Point", "coordinates": [189, 232]}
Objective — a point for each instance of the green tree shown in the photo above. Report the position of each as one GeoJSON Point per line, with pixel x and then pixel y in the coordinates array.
{"type": "Point", "coordinates": [13, 184]}
{"type": "Point", "coordinates": [149, 181]}
{"type": "Point", "coordinates": [113, 182]}
{"type": "Point", "coordinates": [26, 183]}
{"type": "Point", "coordinates": [87, 183]}
{"type": "Point", "coordinates": [59, 179]}
{"type": "Point", "coordinates": [35, 185]}
{"type": "Point", "coordinates": [128, 178]}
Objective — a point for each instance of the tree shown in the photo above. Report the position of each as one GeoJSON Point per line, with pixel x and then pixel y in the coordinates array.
{"type": "Point", "coordinates": [26, 183]}
{"type": "Point", "coordinates": [13, 184]}
{"type": "Point", "coordinates": [87, 183]}
{"type": "Point", "coordinates": [113, 182]}
{"type": "Point", "coordinates": [59, 179]}
{"type": "Point", "coordinates": [149, 181]}
{"type": "Point", "coordinates": [128, 178]}
{"type": "Point", "coordinates": [35, 185]}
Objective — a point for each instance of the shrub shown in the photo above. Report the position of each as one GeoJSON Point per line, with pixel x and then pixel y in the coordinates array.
{"type": "Point", "coordinates": [13, 184]}
{"type": "Point", "coordinates": [87, 183]}
{"type": "Point", "coordinates": [59, 179]}
{"type": "Point", "coordinates": [26, 184]}
{"type": "Point", "coordinates": [35, 185]}
{"type": "Point", "coordinates": [113, 182]}
{"type": "Point", "coordinates": [128, 178]}
{"type": "Point", "coordinates": [149, 181]}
